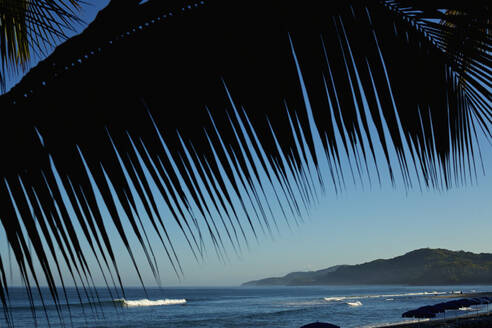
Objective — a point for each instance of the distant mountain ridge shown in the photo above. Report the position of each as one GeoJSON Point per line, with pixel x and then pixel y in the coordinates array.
{"type": "Point", "coordinates": [419, 267]}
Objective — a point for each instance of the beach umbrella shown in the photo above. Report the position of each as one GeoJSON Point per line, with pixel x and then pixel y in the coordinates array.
{"type": "Point", "coordinates": [453, 305]}
{"type": "Point", "coordinates": [408, 314]}
{"type": "Point", "coordinates": [320, 325]}
{"type": "Point", "coordinates": [425, 312]}
{"type": "Point", "coordinates": [422, 312]}
{"type": "Point", "coordinates": [430, 311]}
{"type": "Point", "coordinates": [439, 308]}
{"type": "Point", "coordinates": [468, 302]}
{"type": "Point", "coordinates": [488, 300]}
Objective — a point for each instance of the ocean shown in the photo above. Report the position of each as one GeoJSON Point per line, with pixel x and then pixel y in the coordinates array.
{"type": "Point", "coordinates": [283, 307]}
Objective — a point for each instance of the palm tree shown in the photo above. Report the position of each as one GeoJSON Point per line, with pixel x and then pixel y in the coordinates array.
{"type": "Point", "coordinates": [29, 29]}
{"type": "Point", "coordinates": [199, 97]}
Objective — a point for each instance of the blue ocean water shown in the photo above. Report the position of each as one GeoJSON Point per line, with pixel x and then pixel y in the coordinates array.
{"type": "Point", "coordinates": [283, 307]}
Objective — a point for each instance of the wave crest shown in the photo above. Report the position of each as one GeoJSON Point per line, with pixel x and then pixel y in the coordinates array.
{"type": "Point", "coordinates": [329, 299]}
{"type": "Point", "coordinates": [342, 298]}
{"type": "Point", "coordinates": [147, 302]}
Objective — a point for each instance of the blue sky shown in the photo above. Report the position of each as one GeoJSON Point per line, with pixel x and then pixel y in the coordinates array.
{"type": "Point", "coordinates": [360, 224]}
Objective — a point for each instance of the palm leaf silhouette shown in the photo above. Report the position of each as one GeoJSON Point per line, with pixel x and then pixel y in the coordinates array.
{"type": "Point", "coordinates": [198, 97]}
{"type": "Point", "coordinates": [29, 29]}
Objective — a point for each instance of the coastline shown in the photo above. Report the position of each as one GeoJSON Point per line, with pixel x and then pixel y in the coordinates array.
{"type": "Point", "coordinates": [480, 320]}
{"type": "Point", "coordinates": [476, 320]}
{"type": "Point", "coordinates": [465, 295]}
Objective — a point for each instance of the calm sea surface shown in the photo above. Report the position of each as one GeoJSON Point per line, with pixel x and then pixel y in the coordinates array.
{"type": "Point", "coordinates": [346, 306]}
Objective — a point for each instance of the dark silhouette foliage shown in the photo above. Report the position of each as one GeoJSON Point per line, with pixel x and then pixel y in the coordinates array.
{"type": "Point", "coordinates": [192, 91]}
{"type": "Point", "coordinates": [28, 29]}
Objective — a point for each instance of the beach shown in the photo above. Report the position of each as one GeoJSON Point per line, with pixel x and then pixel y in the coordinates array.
{"type": "Point", "coordinates": [475, 320]}
{"type": "Point", "coordinates": [481, 320]}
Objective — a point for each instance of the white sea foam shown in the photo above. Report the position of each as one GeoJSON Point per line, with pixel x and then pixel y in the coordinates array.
{"type": "Point", "coordinates": [343, 298]}
{"type": "Point", "coordinates": [146, 302]}
{"type": "Point", "coordinates": [329, 299]}
{"type": "Point", "coordinates": [356, 303]}
{"type": "Point", "coordinates": [389, 299]}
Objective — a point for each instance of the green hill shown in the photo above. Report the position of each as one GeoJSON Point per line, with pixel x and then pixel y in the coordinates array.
{"type": "Point", "coordinates": [420, 267]}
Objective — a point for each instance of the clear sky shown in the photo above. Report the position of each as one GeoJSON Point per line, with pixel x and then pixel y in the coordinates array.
{"type": "Point", "coordinates": [360, 224]}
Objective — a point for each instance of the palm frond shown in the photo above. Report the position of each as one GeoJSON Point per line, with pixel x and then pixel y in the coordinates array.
{"type": "Point", "coordinates": [463, 32]}
{"type": "Point", "coordinates": [212, 102]}
{"type": "Point", "coordinates": [28, 27]}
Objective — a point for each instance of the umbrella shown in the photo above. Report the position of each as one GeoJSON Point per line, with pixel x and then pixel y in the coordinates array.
{"type": "Point", "coordinates": [425, 312]}
{"type": "Point", "coordinates": [453, 305]}
{"type": "Point", "coordinates": [431, 310]}
{"type": "Point", "coordinates": [319, 325]}
{"type": "Point", "coordinates": [409, 314]}
{"type": "Point", "coordinates": [421, 312]}
{"type": "Point", "coordinates": [487, 301]}
{"type": "Point", "coordinates": [466, 303]}
{"type": "Point", "coordinates": [440, 308]}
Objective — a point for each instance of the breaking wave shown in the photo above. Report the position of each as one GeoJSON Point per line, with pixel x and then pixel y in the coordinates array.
{"type": "Point", "coordinates": [329, 299]}
{"type": "Point", "coordinates": [146, 302]}
{"type": "Point", "coordinates": [343, 298]}
{"type": "Point", "coordinates": [356, 303]}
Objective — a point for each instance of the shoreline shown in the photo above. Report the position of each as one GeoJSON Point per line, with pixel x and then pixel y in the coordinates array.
{"type": "Point", "coordinates": [475, 320]}
{"type": "Point", "coordinates": [480, 320]}
{"type": "Point", "coordinates": [465, 295]}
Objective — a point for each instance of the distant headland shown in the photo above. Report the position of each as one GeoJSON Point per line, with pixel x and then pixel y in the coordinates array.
{"type": "Point", "coordinates": [419, 267]}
